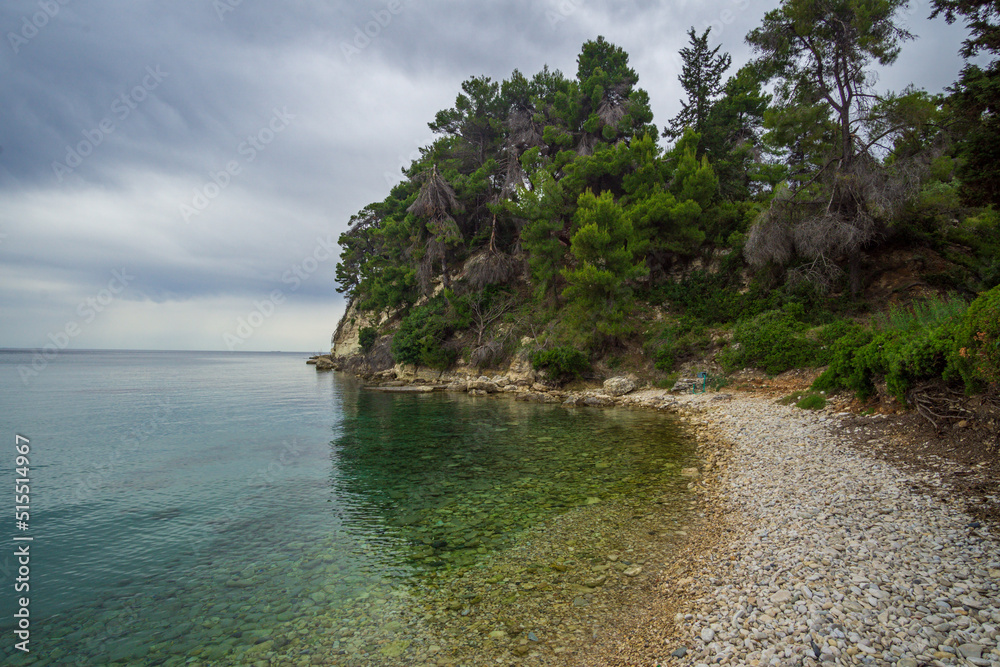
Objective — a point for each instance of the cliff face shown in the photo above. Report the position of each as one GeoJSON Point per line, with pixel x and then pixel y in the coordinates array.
{"type": "Point", "coordinates": [345, 339]}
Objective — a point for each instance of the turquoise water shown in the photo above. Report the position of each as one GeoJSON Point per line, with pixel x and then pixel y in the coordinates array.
{"type": "Point", "coordinates": [216, 508]}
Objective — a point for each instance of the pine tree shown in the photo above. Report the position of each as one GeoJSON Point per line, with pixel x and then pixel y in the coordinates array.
{"type": "Point", "coordinates": [976, 99]}
{"type": "Point", "coordinates": [701, 79]}
{"type": "Point", "coordinates": [830, 121]}
{"type": "Point", "coordinates": [608, 256]}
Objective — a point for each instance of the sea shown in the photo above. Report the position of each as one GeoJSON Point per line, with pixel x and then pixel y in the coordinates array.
{"type": "Point", "coordinates": [178, 508]}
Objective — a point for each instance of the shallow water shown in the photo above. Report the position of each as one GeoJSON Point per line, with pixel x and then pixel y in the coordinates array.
{"type": "Point", "coordinates": [199, 507]}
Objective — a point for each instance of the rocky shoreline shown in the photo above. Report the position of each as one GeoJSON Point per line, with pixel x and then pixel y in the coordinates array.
{"type": "Point", "coordinates": [814, 553]}
{"type": "Point", "coordinates": [831, 558]}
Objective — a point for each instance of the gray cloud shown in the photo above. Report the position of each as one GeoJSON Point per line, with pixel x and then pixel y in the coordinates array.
{"type": "Point", "coordinates": [167, 100]}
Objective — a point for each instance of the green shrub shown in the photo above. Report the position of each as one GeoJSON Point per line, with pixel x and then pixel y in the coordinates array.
{"type": "Point", "coordinates": [975, 355]}
{"type": "Point", "coordinates": [421, 336]}
{"type": "Point", "coordinates": [677, 341]}
{"type": "Point", "coordinates": [906, 346]}
{"type": "Point", "coordinates": [667, 382]}
{"type": "Point", "coordinates": [561, 363]}
{"type": "Point", "coordinates": [812, 402]}
{"type": "Point", "coordinates": [928, 313]}
{"type": "Point", "coordinates": [366, 338]}
{"type": "Point", "coordinates": [774, 341]}
{"type": "Point", "coordinates": [805, 400]}
{"type": "Point", "coordinates": [716, 382]}
{"type": "Point", "coordinates": [843, 372]}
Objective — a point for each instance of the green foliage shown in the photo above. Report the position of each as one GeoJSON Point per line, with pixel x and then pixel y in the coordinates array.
{"type": "Point", "coordinates": [607, 82]}
{"type": "Point", "coordinates": [732, 137]}
{"type": "Point", "coordinates": [844, 370]}
{"type": "Point", "coordinates": [805, 400]}
{"type": "Point", "coordinates": [812, 402]}
{"type": "Point", "coordinates": [677, 341]}
{"type": "Point", "coordinates": [421, 336]}
{"type": "Point", "coordinates": [718, 298]}
{"type": "Point", "coordinates": [716, 382]}
{"type": "Point", "coordinates": [705, 296]}
{"type": "Point", "coordinates": [976, 352]}
{"type": "Point", "coordinates": [981, 234]}
{"type": "Point", "coordinates": [543, 208]}
{"type": "Point", "coordinates": [366, 338]}
{"type": "Point", "coordinates": [668, 382]}
{"type": "Point", "coordinates": [774, 341]}
{"type": "Point", "coordinates": [561, 363]}
{"type": "Point", "coordinates": [607, 255]}
{"type": "Point", "coordinates": [925, 314]}
{"type": "Point", "coordinates": [701, 79]}
{"type": "Point", "coordinates": [976, 99]}
{"type": "Point", "coordinates": [694, 179]}
{"type": "Point", "coordinates": [904, 347]}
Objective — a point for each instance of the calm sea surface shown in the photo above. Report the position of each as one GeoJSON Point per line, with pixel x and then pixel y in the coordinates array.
{"type": "Point", "coordinates": [228, 508]}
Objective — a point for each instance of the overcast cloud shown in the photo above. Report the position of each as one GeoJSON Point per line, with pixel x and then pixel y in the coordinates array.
{"type": "Point", "coordinates": [176, 175]}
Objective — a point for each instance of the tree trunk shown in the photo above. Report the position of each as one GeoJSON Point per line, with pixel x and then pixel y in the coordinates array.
{"type": "Point", "coordinates": [854, 264]}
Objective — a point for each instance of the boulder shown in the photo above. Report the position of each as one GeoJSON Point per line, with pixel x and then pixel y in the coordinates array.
{"type": "Point", "coordinates": [324, 364]}
{"type": "Point", "coordinates": [536, 397]}
{"type": "Point", "coordinates": [597, 401]}
{"type": "Point", "coordinates": [618, 386]}
{"type": "Point", "coordinates": [685, 384]}
{"type": "Point", "coordinates": [484, 385]}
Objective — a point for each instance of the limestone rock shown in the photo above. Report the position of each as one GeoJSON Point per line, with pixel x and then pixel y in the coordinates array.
{"type": "Point", "coordinates": [536, 397]}
{"type": "Point", "coordinates": [597, 401]}
{"type": "Point", "coordinates": [685, 384]}
{"type": "Point", "coordinates": [618, 386]}
{"type": "Point", "coordinates": [484, 385]}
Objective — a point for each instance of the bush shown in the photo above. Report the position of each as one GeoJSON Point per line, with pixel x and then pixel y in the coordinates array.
{"type": "Point", "coordinates": [421, 336]}
{"type": "Point", "coordinates": [812, 402]}
{"type": "Point", "coordinates": [843, 372]}
{"type": "Point", "coordinates": [677, 341]}
{"type": "Point", "coordinates": [366, 338]}
{"type": "Point", "coordinates": [805, 400]}
{"type": "Point", "coordinates": [906, 346]}
{"type": "Point", "coordinates": [975, 356]}
{"type": "Point", "coordinates": [774, 341]}
{"type": "Point", "coordinates": [561, 363]}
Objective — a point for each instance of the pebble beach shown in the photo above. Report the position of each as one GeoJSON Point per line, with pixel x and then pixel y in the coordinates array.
{"type": "Point", "coordinates": [823, 555]}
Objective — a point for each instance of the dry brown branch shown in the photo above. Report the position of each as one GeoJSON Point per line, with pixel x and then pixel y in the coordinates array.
{"type": "Point", "coordinates": [938, 403]}
{"type": "Point", "coordinates": [586, 145]}
{"type": "Point", "coordinates": [484, 315]}
{"type": "Point", "coordinates": [491, 268]}
{"type": "Point", "coordinates": [611, 112]}
{"type": "Point", "coordinates": [436, 197]}
{"type": "Point", "coordinates": [770, 239]}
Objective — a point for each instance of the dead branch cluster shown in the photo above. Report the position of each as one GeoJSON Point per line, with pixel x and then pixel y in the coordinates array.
{"type": "Point", "coordinates": [859, 202]}
{"type": "Point", "coordinates": [938, 404]}
{"type": "Point", "coordinates": [436, 197]}
{"type": "Point", "coordinates": [491, 268]}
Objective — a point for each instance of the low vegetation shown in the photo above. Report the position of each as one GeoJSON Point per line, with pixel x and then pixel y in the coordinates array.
{"type": "Point", "coordinates": [767, 230]}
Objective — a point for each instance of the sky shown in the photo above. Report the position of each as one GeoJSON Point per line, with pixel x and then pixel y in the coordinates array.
{"type": "Point", "coordinates": [174, 176]}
